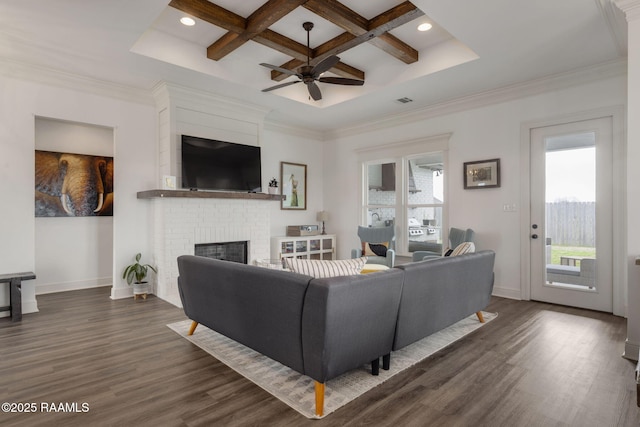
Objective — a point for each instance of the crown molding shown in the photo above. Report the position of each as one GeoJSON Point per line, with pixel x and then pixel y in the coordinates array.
{"type": "Point", "coordinates": [631, 8]}
{"type": "Point", "coordinates": [616, 23]}
{"type": "Point", "coordinates": [294, 131]}
{"type": "Point", "coordinates": [71, 81]}
{"type": "Point", "coordinates": [552, 83]}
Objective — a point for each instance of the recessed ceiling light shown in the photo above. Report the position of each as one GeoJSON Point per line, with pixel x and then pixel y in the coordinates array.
{"type": "Point", "coordinates": [189, 22]}
{"type": "Point", "coordinates": [425, 27]}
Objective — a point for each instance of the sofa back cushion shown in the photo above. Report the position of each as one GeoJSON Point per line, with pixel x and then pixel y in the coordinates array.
{"type": "Point", "coordinates": [437, 293]}
{"type": "Point", "coordinates": [349, 321]}
{"type": "Point", "coordinates": [326, 268]}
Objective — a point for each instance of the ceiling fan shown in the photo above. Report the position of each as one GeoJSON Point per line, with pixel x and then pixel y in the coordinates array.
{"type": "Point", "coordinates": [309, 75]}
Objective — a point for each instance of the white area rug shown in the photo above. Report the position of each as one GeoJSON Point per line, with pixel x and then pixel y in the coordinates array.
{"type": "Point", "coordinates": [297, 390]}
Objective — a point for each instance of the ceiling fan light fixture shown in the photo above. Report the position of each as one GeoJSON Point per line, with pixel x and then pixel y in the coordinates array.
{"type": "Point", "coordinates": [188, 21]}
{"type": "Point", "coordinates": [425, 26]}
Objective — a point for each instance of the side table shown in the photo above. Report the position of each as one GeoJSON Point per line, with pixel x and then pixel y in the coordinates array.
{"type": "Point", "coordinates": [15, 292]}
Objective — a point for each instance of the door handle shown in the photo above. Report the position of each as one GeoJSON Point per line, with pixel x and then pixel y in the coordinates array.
{"type": "Point", "coordinates": [534, 236]}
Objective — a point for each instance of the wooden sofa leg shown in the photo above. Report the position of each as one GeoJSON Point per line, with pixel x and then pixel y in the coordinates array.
{"type": "Point", "coordinates": [480, 318]}
{"type": "Point", "coordinates": [319, 398]}
{"type": "Point", "coordinates": [192, 329]}
{"type": "Point", "coordinates": [386, 362]}
{"type": "Point", "coordinates": [375, 367]}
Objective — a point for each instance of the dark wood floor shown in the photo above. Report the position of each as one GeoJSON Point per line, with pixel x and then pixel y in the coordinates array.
{"type": "Point", "coordinates": [535, 365]}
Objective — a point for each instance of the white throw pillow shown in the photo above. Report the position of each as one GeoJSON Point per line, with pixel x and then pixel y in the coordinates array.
{"type": "Point", "coordinates": [326, 268]}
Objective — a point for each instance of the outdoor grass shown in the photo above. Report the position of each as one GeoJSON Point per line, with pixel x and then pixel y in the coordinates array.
{"type": "Point", "coordinates": [577, 251]}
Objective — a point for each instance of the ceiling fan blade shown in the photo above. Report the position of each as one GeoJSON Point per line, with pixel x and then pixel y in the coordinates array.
{"type": "Point", "coordinates": [341, 81]}
{"type": "Point", "coordinates": [314, 91]}
{"type": "Point", "coordinates": [281, 85]}
{"type": "Point", "coordinates": [282, 70]}
{"type": "Point", "coordinates": [325, 65]}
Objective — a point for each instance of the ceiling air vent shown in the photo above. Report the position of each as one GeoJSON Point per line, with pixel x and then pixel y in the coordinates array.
{"type": "Point", "coordinates": [404, 100]}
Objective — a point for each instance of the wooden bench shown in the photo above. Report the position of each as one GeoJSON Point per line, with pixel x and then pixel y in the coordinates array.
{"type": "Point", "coordinates": [15, 292]}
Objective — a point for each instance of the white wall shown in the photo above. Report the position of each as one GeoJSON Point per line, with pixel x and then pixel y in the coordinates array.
{"type": "Point", "coordinates": [135, 159]}
{"type": "Point", "coordinates": [632, 11]}
{"type": "Point", "coordinates": [486, 132]}
{"type": "Point", "coordinates": [278, 145]}
{"type": "Point", "coordinates": [86, 238]}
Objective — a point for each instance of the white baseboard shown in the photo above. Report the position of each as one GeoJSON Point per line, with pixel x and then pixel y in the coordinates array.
{"type": "Point", "coordinates": [27, 307]}
{"type": "Point", "coordinates": [50, 288]}
{"type": "Point", "coordinates": [506, 293]}
{"type": "Point", "coordinates": [121, 293]}
{"type": "Point", "coordinates": [631, 350]}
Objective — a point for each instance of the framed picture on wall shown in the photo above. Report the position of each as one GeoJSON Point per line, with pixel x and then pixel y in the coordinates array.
{"type": "Point", "coordinates": [293, 177]}
{"type": "Point", "coordinates": [482, 174]}
{"type": "Point", "coordinates": [71, 184]}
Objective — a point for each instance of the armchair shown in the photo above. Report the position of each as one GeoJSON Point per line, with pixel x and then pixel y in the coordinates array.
{"type": "Point", "coordinates": [378, 245]}
{"type": "Point", "coordinates": [456, 237]}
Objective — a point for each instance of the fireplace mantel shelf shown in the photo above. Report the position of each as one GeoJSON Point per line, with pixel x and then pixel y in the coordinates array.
{"type": "Point", "coordinates": [153, 194]}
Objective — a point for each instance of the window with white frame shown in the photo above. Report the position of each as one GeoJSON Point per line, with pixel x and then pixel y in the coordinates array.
{"type": "Point", "coordinates": [407, 192]}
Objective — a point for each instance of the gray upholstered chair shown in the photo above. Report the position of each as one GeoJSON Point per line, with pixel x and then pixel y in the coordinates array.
{"type": "Point", "coordinates": [378, 245]}
{"type": "Point", "coordinates": [456, 237]}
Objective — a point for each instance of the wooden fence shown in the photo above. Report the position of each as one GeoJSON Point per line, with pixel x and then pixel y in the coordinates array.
{"type": "Point", "coordinates": [572, 223]}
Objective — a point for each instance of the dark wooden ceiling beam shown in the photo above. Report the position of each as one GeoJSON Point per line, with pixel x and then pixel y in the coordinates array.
{"type": "Point", "coordinates": [357, 25]}
{"type": "Point", "coordinates": [211, 13]}
{"type": "Point", "coordinates": [260, 20]}
{"type": "Point", "coordinates": [340, 69]}
{"type": "Point", "coordinates": [255, 28]}
{"type": "Point", "coordinates": [236, 24]}
{"type": "Point", "coordinates": [378, 26]}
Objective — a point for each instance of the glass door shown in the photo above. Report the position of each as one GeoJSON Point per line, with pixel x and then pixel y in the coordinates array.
{"type": "Point", "coordinates": [425, 202]}
{"type": "Point", "coordinates": [571, 213]}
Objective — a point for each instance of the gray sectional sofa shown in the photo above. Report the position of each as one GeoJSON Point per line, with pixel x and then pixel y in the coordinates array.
{"type": "Point", "coordinates": [323, 328]}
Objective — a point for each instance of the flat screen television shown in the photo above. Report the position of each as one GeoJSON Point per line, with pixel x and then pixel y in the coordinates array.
{"type": "Point", "coordinates": [209, 164]}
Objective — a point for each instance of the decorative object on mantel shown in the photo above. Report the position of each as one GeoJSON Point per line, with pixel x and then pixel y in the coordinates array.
{"type": "Point", "coordinates": [138, 272]}
{"type": "Point", "coordinates": [168, 182]}
{"type": "Point", "coordinates": [293, 177]}
{"type": "Point", "coordinates": [273, 186]}
{"type": "Point", "coordinates": [323, 216]}
{"type": "Point", "coordinates": [482, 174]}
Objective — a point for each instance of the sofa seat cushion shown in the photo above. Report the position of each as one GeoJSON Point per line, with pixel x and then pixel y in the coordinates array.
{"type": "Point", "coordinates": [326, 268]}
{"type": "Point", "coordinates": [567, 270]}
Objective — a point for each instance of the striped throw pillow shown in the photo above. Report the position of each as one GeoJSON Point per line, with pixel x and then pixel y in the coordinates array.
{"type": "Point", "coordinates": [326, 268]}
{"type": "Point", "coordinates": [464, 248]}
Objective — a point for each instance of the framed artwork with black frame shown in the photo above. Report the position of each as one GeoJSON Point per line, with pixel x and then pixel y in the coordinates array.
{"type": "Point", "coordinates": [482, 174]}
{"type": "Point", "coordinates": [293, 177]}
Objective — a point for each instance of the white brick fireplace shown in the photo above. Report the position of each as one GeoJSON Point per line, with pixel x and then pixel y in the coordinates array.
{"type": "Point", "coordinates": [180, 223]}
{"type": "Point", "coordinates": [182, 220]}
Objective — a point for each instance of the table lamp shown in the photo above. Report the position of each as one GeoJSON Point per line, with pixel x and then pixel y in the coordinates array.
{"type": "Point", "coordinates": [322, 216]}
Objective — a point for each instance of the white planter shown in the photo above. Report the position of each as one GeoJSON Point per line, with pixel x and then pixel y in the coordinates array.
{"type": "Point", "coordinates": [273, 190]}
{"type": "Point", "coordinates": [140, 289]}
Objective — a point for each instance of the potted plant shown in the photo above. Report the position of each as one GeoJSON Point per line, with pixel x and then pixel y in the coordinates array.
{"type": "Point", "coordinates": [273, 186]}
{"type": "Point", "coordinates": [136, 273]}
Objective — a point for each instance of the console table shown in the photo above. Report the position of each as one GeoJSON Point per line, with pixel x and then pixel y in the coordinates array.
{"type": "Point", "coordinates": [319, 246]}
{"type": "Point", "coordinates": [15, 292]}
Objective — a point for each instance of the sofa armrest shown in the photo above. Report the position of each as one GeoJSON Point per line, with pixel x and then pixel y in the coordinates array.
{"type": "Point", "coordinates": [349, 321]}
{"type": "Point", "coordinates": [356, 253]}
{"type": "Point", "coordinates": [257, 307]}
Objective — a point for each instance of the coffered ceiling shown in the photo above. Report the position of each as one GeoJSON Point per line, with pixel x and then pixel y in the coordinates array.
{"type": "Point", "coordinates": [473, 48]}
{"type": "Point", "coordinates": [377, 41]}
